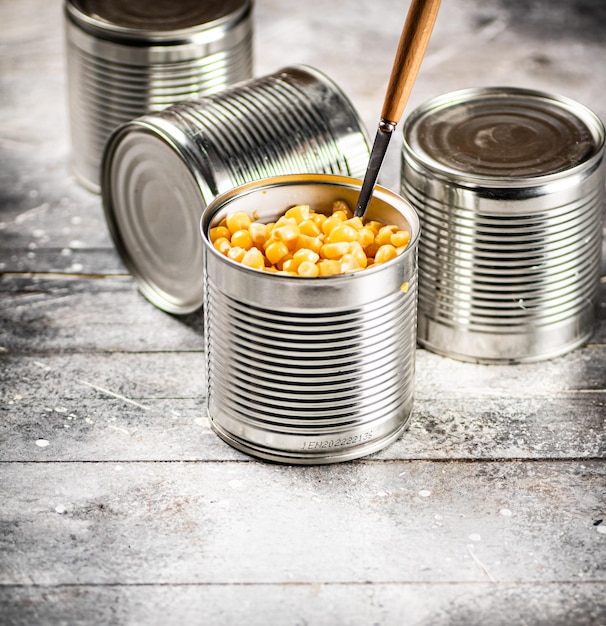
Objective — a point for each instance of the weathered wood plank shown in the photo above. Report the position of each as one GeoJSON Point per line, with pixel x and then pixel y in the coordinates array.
{"type": "Point", "coordinates": [45, 315]}
{"type": "Point", "coordinates": [111, 542]}
{"type": "Point", "coordinates": [489, 604]}
{"type": "Point", "coordinates": [133, 406]}
{"type": "Point", "coordinates": [583, 370]}
{"type": "Point", "coordinates": [41, 214]}
{"type": "Point", "coordinates": [109, 430]}
{"type": "Point", "coordinates": [19, 266]}
{"type": "Point", "coordinates": [112, 429]}
{"type": "Point", "coordinates": [216, 523]}
{"type": "Point", "coordinates": [135, 376]}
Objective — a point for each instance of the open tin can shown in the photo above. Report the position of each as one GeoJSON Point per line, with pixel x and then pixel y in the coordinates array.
{"type": "Point", "coordinates": [128, 58]}
{"type": "Point", "coordinates": [509, 187]}
{"type": "Point", "coordinates": [161, 170]}
{"type": "Point", "coordinates": [309, 370]}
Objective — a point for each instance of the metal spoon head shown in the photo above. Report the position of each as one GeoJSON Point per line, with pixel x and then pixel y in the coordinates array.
{"type": "Point", "coordinates": [377, 155]}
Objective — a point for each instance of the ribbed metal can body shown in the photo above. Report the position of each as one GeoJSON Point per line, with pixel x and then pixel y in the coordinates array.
{"type": "Point", "coordinates": [161, 170]}
{"type": "Point", "coordinates": [509, 187]}
{"type": "Point", "coordinates": [309, 370]}
{"type": "Point", "coordinates": [125, 59]}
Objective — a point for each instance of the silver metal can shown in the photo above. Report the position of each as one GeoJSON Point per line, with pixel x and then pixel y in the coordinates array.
{"type": "Point", "coordinates": [509, 187]}
{"type": "Point", "coordinates": [160, 171]}
{"type": "Point", "coordinates": [125, 59]}
{"type": "Point", "coordinates": [309, 370]}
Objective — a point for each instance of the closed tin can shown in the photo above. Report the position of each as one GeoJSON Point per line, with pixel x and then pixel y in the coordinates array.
{"type": "Point", "coordinates": [309, 370]}
{"type": "Point", "coordinates": [161, 170]}
{"type": "Point", "coordinates": [509, 187]}
{"type": "Point", "coordinates": [125, 59]}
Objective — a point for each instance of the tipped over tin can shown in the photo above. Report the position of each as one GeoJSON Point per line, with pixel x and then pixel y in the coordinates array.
{"type": "Point", "coordinates": [126, 59]}
{"type": "Point", "coordinates": [509, 187]}
{"type": "Point", "coordinates": [161, 170]}
{"type": "Point", "coordinates": [309, 370]}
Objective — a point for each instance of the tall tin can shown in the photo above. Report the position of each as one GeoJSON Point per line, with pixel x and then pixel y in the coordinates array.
{"type": "Point", "coordinates": [161, 170]}
{"type": "Point", "coordinates": [309, 370]}
{"type": "Point", "coordinates": [509, 187]}
{"type": "Point", "coordinates": [125, 59]}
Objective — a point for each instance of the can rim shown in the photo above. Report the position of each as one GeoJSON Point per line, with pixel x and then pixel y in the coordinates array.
{"type": "Point", "coordinates": [115, 32]}
{"type": "Point", "coordinates": [471, 180]}
{"type": "Point", "coordinates": [380, 192]}
{"type": "Point", "coordinates": [185, 152]}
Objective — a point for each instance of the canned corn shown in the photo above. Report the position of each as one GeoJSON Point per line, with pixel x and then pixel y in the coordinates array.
{"type": "Point", "coordinates": [126, 59]}
{"type": "Point", "coordinates": [161, 170]}
{"type": "Point", "coordinates": [309, 369]}
{"type": "Point", "coordinates": [509, 186]}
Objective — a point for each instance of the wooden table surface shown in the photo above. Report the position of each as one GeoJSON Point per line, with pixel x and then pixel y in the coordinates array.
{"type": "Point", "coordinates": [120, 506]}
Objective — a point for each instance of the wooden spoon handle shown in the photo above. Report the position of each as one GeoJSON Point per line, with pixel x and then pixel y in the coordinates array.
{"type": "Point", "coordinates": [413, 43]}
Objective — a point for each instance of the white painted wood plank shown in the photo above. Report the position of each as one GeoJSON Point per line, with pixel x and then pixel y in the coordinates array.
{"type": "Point", "coordinates": [296, 604]}
{"type": "Point", "coordinates": [249, 523]}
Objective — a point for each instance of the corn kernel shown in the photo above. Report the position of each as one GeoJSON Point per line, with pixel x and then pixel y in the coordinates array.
{"type": "Point", "coordinates": [384, 235]}
{"type": "Point", "coordinates": [334, 250]}
{"type": "Point", "coordinates": [254, 258]}
{"type": "Point", "coordinates": [385, 253]}
{"type": "Point", "coordinates": [283, 260]}
{"type": "Point", "coordinates": [238, 221]}
{"type": "Point", "coordinates": [366, 236]}
{"type": "Point", "coordinates": [400, 238]}
{"type": "Point", "coordinates": [349, 263]}
{"type": "Point", "coordinates": [356, 222]}
{"type": "Point", "coordinates": [374, 226]}
{"type": "Point", "coordinates": [310, 228]}
{"type": "Point", "coordinates": [372, 249]}
{"type": "Point", "coordinates": [340, 215]}
{"type": "Point", "coordinates": [285, 221]}
{"type": "Point", "coordinates": [341, 205]}
{"type": "Point", "coordinates": [307, 268]}
{"type": "Point", "coordinates": [222, 245]}
{"type": "Point", "coordinates": [258, 232]}
{"type": "Point", "coordinates": [236, 253]}
{"type": "Point", "coordinates": [299, 213]}
{"type": "Point", "coordinates": [288, 233]}
{"type": "Point", "coordinates": [242, 239]}
{"type": "Point", "coordinates": [342, 232]}
{"type": "Point", "coordinates": [318, 218]}
{"type": "Point", "coordinates": [218, 232]}
{"type": "Point", "coordinates": [305, 255]}
{"type": "Point", "coordinates": [289, 265]}
{"type": "Point", "coordinates": [312, 243]}
{"type": "Point", "coordinates": [328, 267]}
{"type": "Point", "coordinates": [276, 251]}
{"type": "Point", "coordinates": [329, 223]}
{"type": "Point", "coordinates": [356, 250]}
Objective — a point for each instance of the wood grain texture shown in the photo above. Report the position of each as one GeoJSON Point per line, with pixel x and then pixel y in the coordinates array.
{"type": "Point", "coordinates": [416, 33]}
{"type": "Point", "coordinates": [119, 504]}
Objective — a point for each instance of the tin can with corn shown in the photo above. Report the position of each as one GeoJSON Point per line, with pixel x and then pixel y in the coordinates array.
{"type": "Point", "coordinates": [305, 366]}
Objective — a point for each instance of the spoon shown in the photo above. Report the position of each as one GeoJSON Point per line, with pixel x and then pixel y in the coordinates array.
{"type": "Point", "coordinates": [411, 49]}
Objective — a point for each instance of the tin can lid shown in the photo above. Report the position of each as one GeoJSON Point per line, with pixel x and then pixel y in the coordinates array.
{"type": "Point", "coordinates": [152, 19]}
{"type": "Point", "coordinates": [502, 134]}
{"type": "Point", "coordinates": [153, 214]}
